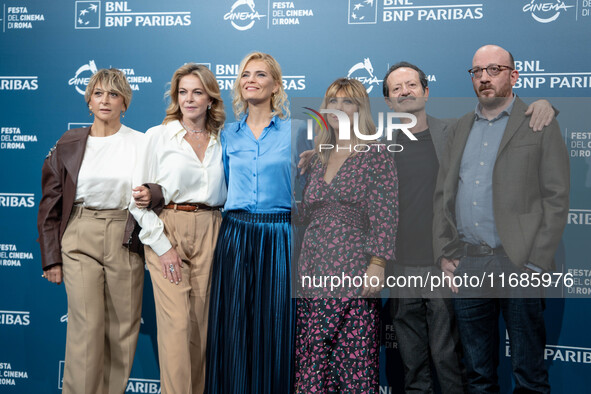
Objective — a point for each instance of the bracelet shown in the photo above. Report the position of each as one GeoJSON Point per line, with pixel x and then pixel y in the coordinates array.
{"type": "Point", "coordinates": [378, 261]}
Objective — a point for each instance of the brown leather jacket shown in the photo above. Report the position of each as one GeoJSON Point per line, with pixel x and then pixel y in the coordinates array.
{"type": "Point", "coordinates": [59, 178]}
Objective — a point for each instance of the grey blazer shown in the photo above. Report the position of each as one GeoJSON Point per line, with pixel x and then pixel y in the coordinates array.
{"type": "Point", "coordinates": [531, 180]}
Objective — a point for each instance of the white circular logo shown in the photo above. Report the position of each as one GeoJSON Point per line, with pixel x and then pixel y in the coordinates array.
{"type": "Point", "coordinates": [363, 72]}
{"type": "Point", "coordinates": [243, 15]}
{"type": "Point", "coordinates": [81, 77]}
{"type": "Point", "coordinates": [545, 11]}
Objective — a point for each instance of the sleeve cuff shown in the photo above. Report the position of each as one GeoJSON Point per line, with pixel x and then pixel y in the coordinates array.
{"type": "Point", "coordinates": [161, 246]}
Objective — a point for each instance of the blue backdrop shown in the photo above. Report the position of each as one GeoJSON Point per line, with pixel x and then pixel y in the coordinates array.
{"type": "Point", "coordinates": [50, 49]}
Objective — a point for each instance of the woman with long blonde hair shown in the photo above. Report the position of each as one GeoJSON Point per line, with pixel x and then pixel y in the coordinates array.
{"type": "Point", "coordinates": [250, 338]}
{"type": "Point", "coordinates": [184, 157]}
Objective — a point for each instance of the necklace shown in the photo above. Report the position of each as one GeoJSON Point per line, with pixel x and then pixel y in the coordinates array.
{"type": "Point", "coordinates": [190, 130]}
{"type": "Point", "coordinates": [197, 138]}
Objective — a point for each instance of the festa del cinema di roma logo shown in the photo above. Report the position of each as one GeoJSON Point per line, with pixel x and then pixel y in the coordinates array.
{"type": "Point", "coordinates": [243, 15]}
{"type": "Point", "coordinates": [345, 129]}
{"type": "Point", "coordinates": [545, 11]}
{"type": "Point", "coordinates": [86, 71]}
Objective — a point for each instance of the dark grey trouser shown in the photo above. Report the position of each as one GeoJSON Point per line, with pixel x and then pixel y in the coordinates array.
{"type": "Point", "coordinates": [426, 330]}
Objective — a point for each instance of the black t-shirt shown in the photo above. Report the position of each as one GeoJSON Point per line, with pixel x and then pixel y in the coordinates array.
{"type": "Point", "coordinates": [417, 167]}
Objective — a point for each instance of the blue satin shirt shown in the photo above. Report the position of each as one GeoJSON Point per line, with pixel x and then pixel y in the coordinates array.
{"type": "Point", "coordinates": [258, 172]}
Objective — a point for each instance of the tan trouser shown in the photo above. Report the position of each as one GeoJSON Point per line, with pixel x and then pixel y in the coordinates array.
{"type": "Point", "coordinates": [104, 283]}
{"type": "Point", "coordinates": [182, 310]}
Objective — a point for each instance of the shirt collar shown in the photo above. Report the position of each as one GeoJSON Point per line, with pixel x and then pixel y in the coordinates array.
{"type": "Point", "coordinates": [175, 130]}
{"type": "Point", "coordinates": [506, 112]}
{"type": "Point", "coordinates": [242, 122]}
{"type": "Point", "coordinates": [273, 123]}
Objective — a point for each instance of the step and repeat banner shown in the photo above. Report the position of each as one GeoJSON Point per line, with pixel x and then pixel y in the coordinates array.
{"type": "Point", "coordinates": [49, 50]}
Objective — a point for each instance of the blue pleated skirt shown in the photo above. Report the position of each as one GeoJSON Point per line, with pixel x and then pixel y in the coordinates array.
{"type": "Point", "coordinates": [252, 314]}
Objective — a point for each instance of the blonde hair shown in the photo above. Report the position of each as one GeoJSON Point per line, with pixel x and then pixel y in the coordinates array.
{"type": "Point", "coordinates": [279, 102]}
{"type": "Point", "coordinates": [215, 116]}
{"type": "Point", "coordinates": [354, 90]}
{"type": "Point", "coordinates": [112, 80]}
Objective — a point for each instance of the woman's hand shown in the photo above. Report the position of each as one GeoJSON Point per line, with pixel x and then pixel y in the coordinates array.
{"type": "Point", "coordinates": [376, 271]}
{"type": "Point", "coordinates": [142, 196]}
{"type": "Point", "coordinates": [54, 274]}
{"type": "Point", "coordinates": [171, 266]}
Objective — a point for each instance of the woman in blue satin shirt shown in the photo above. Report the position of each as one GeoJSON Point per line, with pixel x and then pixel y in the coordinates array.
{"type": "Point", "coordinates": [250, 336]}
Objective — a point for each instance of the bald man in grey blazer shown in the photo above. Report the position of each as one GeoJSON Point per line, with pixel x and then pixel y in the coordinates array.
{"type": "Point", "coordinates": [500, 206]}
{"type": "Point", "coordinates": [424, 319]}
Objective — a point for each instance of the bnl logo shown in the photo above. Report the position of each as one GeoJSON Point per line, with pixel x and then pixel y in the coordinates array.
{"type": "Point", "coordinates": [87, 15]}
{"type": "Point", "coordinates": [362, 12]}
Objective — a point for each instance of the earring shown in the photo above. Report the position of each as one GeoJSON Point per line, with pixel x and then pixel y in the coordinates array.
{"type": "Point", "coordinates": [209, 106]}
{"type": "Point", "coordinates": [123, 114]}
{"type": "Point", "coordinates": [89, 110]}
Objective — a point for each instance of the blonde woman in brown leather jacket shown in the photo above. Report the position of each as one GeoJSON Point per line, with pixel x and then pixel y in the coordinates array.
{"type": "Point", "coordinates": [86, 190]}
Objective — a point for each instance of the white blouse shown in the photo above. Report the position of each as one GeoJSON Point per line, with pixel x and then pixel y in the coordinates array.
{"type": "Point", "coordinates": [170, 161]}
{"type": "Point", "coordinates": [106, 173]}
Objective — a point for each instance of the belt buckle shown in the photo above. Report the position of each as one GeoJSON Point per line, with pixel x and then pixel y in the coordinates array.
{"type": "Point", "coordinates": [486, 250]}
{"type": "Point", "coordinates": [478, 250]}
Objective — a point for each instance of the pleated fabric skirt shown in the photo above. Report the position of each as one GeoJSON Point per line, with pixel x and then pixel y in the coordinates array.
{"type": "Point", "coordinates": [252, 314]}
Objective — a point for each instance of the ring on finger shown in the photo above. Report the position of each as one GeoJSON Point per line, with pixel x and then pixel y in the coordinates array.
{"type": "Point", "coordinates": [171, 268]}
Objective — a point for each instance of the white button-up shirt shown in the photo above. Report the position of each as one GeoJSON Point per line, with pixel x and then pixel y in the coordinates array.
{"type": "Point", "coordinates": [170, 161]}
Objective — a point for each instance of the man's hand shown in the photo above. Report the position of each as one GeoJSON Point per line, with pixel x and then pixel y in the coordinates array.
{"type": "Point", "coordinates": [542, 113]}
{"type": "Point", "coordinates": [171, 266]}
{"type": "Point", "coordinates": [305, 158]}
{"type": "Point", "coordinates": [377, 271]}
{"type": "Point", "coordinates": [449, 267]}
{"type": "Point", "coordinates": [142, 196]}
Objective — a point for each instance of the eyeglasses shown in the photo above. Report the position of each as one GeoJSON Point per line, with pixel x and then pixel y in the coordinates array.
{"type": "Point", "coordinates": [493, 70]}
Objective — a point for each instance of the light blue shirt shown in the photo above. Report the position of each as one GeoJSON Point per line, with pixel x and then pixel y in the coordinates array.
{"type": "Point", "coordinates": [474, 201]}
{"type": "Point", "coordinates": [258, 171]}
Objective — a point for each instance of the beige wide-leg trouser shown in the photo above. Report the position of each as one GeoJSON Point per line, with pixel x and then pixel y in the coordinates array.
{"type": "Point", "coordinates": [182, 310]}
{"type": "Point", "coordinates": [104, 283]}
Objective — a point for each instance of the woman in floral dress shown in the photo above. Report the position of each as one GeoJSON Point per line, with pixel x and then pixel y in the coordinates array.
{"type": "Point", "coordinates": [351, 206]}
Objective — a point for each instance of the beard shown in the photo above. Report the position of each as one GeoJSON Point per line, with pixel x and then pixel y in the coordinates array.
{"type": "Point", "coordinates": [501, 95]}
{"type": "Point", "coordinates": [491, 102]}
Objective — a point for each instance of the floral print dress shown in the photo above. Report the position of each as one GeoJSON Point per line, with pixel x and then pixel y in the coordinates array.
{"type": "Point", "coordinates": [351, 219]}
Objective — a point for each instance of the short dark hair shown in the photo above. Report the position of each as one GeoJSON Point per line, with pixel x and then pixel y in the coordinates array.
{"type": "Point", "coordinates": [422, 76]}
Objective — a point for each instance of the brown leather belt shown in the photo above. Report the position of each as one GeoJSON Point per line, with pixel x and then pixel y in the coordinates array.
{"type": "Point", "coordinates": [191, 207]}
